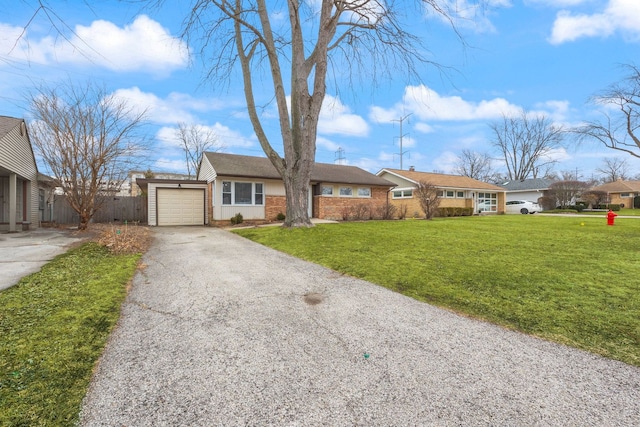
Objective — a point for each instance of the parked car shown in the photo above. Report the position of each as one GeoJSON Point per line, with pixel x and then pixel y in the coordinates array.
{"type": "Point", "coordinates": [522, 207]}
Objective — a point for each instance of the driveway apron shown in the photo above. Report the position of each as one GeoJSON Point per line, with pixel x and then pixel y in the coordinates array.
{"type": "Point", "coordinates": [221, 331]}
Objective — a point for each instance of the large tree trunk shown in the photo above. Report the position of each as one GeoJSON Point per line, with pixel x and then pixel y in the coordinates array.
{"type": "Point", "coordinates": [297, 192]}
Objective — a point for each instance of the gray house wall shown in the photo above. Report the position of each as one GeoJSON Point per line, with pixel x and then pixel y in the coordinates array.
{"type": "Point", "coordinates": [17, 168]}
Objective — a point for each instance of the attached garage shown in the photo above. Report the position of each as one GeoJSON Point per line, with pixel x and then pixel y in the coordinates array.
{"type": "Point", "coordinates": [180, 206]}
{"type": "Point", "coordinates": [175, 202]}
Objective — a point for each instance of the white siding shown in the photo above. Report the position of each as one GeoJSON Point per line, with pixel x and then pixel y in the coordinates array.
{"type": "Point", "coordinates": [221, 212]}
{"type": "Point", "coordinates": [16, 156]}
{"type": "Point", "coordinates": [206, 172]}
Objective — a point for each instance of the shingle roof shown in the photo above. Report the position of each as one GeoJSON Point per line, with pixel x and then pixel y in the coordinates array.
{"type": "Point", "coordinates": [7, 124]}
{"type": "Point", "coordinates": [528, 184]}
{"type": "Point", "coordinates": [261, 167]}
{"type": "Point", "coordinates": [444, 180]}
{"type": "Point", "coordinates": [618, 187]}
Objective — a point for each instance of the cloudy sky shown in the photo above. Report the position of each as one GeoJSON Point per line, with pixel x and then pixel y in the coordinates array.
{"type": "Point", "coordinates": [546, 56]}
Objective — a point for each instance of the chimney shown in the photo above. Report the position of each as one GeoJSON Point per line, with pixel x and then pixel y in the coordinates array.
{"type": "Point", "coordinates": [412, 168]}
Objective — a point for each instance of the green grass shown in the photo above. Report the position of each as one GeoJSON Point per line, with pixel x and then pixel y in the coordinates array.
{"type": "Point", "coordinates": [53, 327]}
{"type": "Point", "coordinates": [572, 280]}
{"type": "Point", "coordinates": [623, 212]}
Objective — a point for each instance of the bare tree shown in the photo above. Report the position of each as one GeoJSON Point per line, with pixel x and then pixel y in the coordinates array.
{"type": "Point", "coordinates": [195, 140]}
{"type": "Point", "coordinates": [595, 198]}
{"type": "Point", "coordinates": [476, 165]}
{"type": "Point", "coordinates": [621, 132]}
{"type": "Point", "coordinates": [288, 49]}
{"type": "Point", "coordinates": [88, 140]}
{"type": "Point", "coordinates": [427, 195]}
{"type": "Point", "coordinates": [613, 169]}
{"type": "Point", "coordinates": [567, 192]}
{"type": "Point", "coordinates": [525, 143]}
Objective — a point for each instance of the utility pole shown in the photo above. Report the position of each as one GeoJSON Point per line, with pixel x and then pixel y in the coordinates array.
{"type": "Point", "coordinates": [339, 156]}
{"type": "Point", "coordinates": [401, 120]}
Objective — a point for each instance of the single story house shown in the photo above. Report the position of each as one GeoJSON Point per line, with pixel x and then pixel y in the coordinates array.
{"type": "Point", "coordinates": [455, 191]}
{"type": "Point", "coordinates": [620, 192]}
{"type": "Point", "coordinates": [529, 189]}
{"type": "Point", "coordinates": [19, 196]}
{"type": "Point", "coordinates": [252, 187]}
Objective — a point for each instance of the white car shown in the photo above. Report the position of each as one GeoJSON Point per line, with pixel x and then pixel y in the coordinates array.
{"type": "Point", "coordinates": [522, 207]}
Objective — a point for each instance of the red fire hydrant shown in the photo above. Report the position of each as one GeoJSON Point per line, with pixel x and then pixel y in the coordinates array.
{"type": "Point", "coordinates": [611, 215]}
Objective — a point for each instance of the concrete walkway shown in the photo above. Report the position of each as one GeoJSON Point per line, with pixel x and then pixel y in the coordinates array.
{"type": "Point", "coordinates": [220, 331]}
{"type": "Point", "coordinates": [26, 252]}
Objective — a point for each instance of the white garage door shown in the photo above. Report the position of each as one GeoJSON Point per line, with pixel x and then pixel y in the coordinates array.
{"type": "Point", "coordinates": [180, 206]}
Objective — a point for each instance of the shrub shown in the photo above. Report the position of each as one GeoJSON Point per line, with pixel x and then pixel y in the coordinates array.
{"type": "Point", "coordinates": [280, 216]}
{"type": "Point", "coordinates": [613, 206]}
{"type": "Point", "coordinates": [386, 211]}
{"type": "Point", "coordinates": [361, 212]}
{"type": "Point", "coordinates": [402, 211]}
{"type": "Point", "coordinates": [237, 219]}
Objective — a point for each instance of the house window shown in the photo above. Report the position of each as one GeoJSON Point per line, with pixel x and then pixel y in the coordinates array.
{"type": "Point", "coordinates": [259, 194]}
{"type": "Point", "coordinates": [625, 194]}
{"type": "Point", "coordinates": [450, 193]}
{"type": "Point", "coordinates": [346, 191]}
{"type": "Point", "coordinates": [487, 202]}
{"type": "Point", "coordinates": [41, 199]}
{"type": "Point", "coordinates": [327, 190]}
{"type": "Point", "coordinates": [242, 193]}
{"type": "Point", "coordinates": [402, 194]}
{"type": "Point", "coordinates": [460, 194]}
{"type": "Point", "coordinates": [364, 192]}
{"type": "Point", "coordinates": [226, 193]}
{"type": "Point", "coordinates": [440, 193]}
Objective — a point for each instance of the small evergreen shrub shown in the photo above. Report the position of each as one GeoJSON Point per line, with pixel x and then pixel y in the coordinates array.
{"type": "Point", "coordinates": [237, 219]}
{"type": "Point", "coordinates": [280, 216]}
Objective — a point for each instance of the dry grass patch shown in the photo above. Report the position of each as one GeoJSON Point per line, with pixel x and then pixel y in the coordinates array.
{"type": "Point", "coordinates": [123, 238]}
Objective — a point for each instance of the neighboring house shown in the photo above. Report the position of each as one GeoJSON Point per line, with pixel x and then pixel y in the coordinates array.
{"type": "Point", "coordinates": [529, 189]}
{"type": "Point", "coordinates": [19, 196]}
{"type": "Point", "coordinates": [131, 189]}
{"type": "Point", "coordinates": [252, 187]}
{"type": "Point", "coordinates": [46, 198]}
{"type": "Point", "coordinates": [620, 192]}
{"type": "Point", "coordinates": [455, 191]}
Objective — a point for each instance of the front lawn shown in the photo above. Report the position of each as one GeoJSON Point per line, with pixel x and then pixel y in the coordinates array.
{"type": "Point", "coordinates": [572, 280]}
{"type": "Point", "coordinates": [53, 327]}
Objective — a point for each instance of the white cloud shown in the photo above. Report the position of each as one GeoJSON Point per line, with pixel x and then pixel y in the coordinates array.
{"type": "Point", "coordinates": [555, 109]}
{"type": "Point", "coordinates": [427, 104]}
{"type": "Point", "coordinates": [144, 45]}
{"type": "Point", "coordinates": [469, 14]}
{"type": "Point", "coordinates": [176, 107]}
{"type": "Point", "coordinates": [336, 118]}
{"type": "Point", "coordinates": [423, 128]}
{"type": "Point", "coordinates": [445, 162]}
{"type": "Point", "coordinates": [225, 137]}
{"type": "Point", "coordinates": [327, 144]}
{"type": "Point", "coordinates": [618, 16]}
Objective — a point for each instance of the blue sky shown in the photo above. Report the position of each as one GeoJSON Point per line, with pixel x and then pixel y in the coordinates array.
{"type": "Point", "coordinates": [545, 56]}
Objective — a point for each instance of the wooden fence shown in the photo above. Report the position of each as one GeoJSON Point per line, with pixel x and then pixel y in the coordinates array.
{"type": "Point", "coordinates": [113, 209]}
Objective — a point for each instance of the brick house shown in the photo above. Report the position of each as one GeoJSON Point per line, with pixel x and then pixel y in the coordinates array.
{"type": "Point", "coordinates": [252, 186]}
{"type": "Point", "coordinates": [455, 191]}
{"type": "Point", "coordinates": [620, 192]}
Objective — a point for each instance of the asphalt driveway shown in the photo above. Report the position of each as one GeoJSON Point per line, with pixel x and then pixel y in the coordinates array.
{"type": "Point", "coordinates": [220, 331]}
{"type": "Point", "coordinates": [26, 252]}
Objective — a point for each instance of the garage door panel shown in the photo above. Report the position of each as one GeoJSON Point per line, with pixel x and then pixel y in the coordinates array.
{"type": "Point", "coordinates": [180, 206]}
